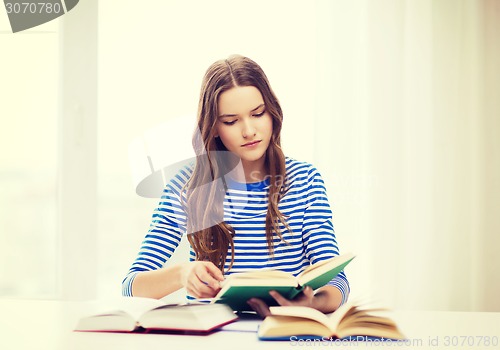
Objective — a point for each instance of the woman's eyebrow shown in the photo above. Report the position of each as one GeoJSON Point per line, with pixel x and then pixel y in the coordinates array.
{"type": "Point", "coordinates": [235, 115]}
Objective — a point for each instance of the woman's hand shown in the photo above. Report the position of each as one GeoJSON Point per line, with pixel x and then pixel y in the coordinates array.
{"type": "Point", "coordinates": [201, 279]}
{"type": "Point", "coordinates": [326, 299]}
{"type": "Point", "coordinates": [306, 298]}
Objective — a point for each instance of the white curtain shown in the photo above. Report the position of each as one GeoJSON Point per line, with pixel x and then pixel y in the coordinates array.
{"type": "Point", "coordinates": [407, 135]}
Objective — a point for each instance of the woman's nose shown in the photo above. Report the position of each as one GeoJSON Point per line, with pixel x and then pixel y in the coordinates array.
{"type": "Point", "coordinates": [248, 129]}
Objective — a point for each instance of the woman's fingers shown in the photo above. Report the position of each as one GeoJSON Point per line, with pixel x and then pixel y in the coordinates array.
{"type": "Point", "coordinates": [308, 292]}
{"type": "Point", "coordinates": [280, 299]}
{"type": "Point", "coordinates": [204, 280]}
{"type": "Point", "coordinates": [304, 299]}
{"type": "Point", "coordinates": [207, 275]}
{"type": "Point", "coordinates": [259, 306]}
{"type": "Point", "coordinates": [201, 279]}
{"type": "Point", "coordinates": [198, 289]}
{"type": "Point", "coordinates": [214, 271]}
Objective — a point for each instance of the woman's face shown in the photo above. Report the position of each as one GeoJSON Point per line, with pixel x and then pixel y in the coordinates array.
{"type": "Point", "coordinates": [244, 125]}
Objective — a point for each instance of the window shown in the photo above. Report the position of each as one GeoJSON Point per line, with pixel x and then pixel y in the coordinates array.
{"type": "Point", "coordinates": [28, 160]}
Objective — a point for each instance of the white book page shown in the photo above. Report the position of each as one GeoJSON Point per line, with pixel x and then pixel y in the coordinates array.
{"type": "Point", "coordinates": [134, 306]}
{"type": "Point", "coordinates": [301, 311]}
{"type": "Point", "coordinates": [322, 267]}
{"type": "Point", "coordinates": [337, 316]}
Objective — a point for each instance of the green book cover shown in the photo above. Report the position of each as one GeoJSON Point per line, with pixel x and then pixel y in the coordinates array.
{"type": "Point", "coordinates": [236, 297]}
{"type": "Point", "coordinates": [236, 294]}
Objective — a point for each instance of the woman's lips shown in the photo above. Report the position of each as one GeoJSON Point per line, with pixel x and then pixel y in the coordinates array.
{"type": "Point", "coordinates": [250, 144]}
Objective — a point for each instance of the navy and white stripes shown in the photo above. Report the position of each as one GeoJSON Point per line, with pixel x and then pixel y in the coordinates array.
{"type": "Point", "coordinates": [305, 206]}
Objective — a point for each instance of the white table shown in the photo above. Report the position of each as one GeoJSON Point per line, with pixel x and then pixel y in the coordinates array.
{"type": "Point", "coordinates": [37, 324]}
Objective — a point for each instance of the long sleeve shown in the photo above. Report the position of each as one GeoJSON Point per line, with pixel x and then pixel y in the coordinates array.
{"type": "Point", "coordinates": [165, 232]}
{"type": "Point", "coordinates": [318, 233]}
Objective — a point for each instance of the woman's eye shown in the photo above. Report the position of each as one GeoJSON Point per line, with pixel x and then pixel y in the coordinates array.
{"type": "Point", "coordinates": [230, 123]}
{"type": "Point", "coordinates": [259, 114]}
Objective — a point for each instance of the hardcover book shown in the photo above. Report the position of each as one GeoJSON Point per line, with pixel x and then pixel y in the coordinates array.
{"type": "Point", "coordinates": [135, 314]}
{"type": "Point", "coordinates": [350, 321]}
{"type": "Point", "coordinates": [239, 287]}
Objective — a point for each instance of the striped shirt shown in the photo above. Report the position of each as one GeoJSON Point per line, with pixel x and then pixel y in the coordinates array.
{"type": "Point", "coordinates": [305, 206]}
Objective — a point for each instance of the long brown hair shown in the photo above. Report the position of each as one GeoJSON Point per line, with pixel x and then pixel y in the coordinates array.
{"type": "Point", "coordinates": [208, 234]}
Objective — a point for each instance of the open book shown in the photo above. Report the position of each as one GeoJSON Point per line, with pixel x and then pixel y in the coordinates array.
{"type": "Point", "coordinates": [135, 314]}
{"type": "Point", "coordinates": [240, 287]}
{"type": "Point", "coordinates": [347, 322]}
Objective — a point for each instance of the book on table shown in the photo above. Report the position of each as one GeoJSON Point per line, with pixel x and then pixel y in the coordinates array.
{"type": "Point", "coordinates": [351, 321]}
{"type": "Point", "coordinates": [237, 288]}
{"type": "Point", "coordinates": [136, 314]}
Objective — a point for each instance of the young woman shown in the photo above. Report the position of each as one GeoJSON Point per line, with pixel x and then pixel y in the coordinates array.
{"type": "Point", "coordinates": [243, 204]}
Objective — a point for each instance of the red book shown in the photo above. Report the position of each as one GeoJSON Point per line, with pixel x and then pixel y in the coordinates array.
{"type": "Point", "coordinates": [135, 314]}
